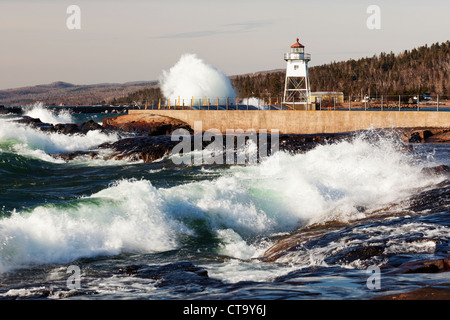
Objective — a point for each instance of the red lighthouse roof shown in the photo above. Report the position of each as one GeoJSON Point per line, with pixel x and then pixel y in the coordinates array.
{"type": "Point", "coordinates": [297, 45]}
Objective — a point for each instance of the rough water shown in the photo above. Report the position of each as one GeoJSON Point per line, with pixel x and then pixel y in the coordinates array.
{"type": "Point", "coordinates": [311, 225]}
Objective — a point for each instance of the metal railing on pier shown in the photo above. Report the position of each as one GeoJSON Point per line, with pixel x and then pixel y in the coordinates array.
{"type": "Point", "coordinates": [325, 103]}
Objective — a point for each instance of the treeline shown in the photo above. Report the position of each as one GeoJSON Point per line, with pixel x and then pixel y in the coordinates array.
{"type": "Point", "coordinates": [417, 71]}
{"type": "Point", "coordinates": [144, 96]}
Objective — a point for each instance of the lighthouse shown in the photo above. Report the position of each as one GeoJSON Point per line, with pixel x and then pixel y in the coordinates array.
{"type": "Point", "coordinates": [296, 86]}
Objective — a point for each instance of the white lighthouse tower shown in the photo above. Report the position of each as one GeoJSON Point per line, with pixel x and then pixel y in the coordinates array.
{"type": "Point", "coordinates": [296, 86]}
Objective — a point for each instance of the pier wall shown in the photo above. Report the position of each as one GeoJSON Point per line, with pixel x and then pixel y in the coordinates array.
{"type": "Point", "coordinates": [305, 122]}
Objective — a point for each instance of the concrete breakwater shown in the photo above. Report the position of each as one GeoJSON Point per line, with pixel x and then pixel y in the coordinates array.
{"type": "Point", "coordinates": [304, 122]}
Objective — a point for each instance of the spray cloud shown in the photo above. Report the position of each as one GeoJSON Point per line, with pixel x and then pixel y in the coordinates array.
{"type": "Point", "coordinates": [191, 78]}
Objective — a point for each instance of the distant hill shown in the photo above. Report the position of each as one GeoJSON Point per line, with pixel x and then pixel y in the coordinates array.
{"type": "Point", "coordinates": [71, 94]}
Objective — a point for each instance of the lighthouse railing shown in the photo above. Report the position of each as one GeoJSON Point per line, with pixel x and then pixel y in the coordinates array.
{"type": "Point", "coordinates": [297, 56]}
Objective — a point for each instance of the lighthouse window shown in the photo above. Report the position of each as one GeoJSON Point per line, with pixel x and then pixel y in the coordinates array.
{"type": "Point", "coordinates": [295, 67]}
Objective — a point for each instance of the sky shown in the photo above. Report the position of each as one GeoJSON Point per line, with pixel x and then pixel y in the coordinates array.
{"type": "Point", "coordinates": [135, 40]}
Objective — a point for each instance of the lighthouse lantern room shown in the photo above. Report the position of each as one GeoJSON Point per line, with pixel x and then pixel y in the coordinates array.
{"type": "Point", "coordinates": [296, 88]}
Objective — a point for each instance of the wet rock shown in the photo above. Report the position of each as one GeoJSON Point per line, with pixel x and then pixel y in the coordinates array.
{"type": "Point", "coordinates": [153, 147]}
{"type": "Point", "coordinates": [419, 136]}
{"type": "Point", "coordinates": [178, 274]}
{"type": "Point", "coordinates": [35, 123]}
{"type": "Point", "coordinates": [295, 143]}
{"type": "Point", "coordinates": [425, 135]}
{"type": "Point", "coordinates": [427, 293]}
{"type": "Point", "coordinates": [68, 156]}
{"type": "Point", "coordinates": [90, 125]}
{"type": "Point", "coordinates": [443, 137]}
{"type": "Point", "coordinates": [63, 128]}
{"type": "Point", "coordinates": [148, 124]}
{"type": "Point", "coordinates": [433, 266]}
{"type": "Point", "coordinates": [68, 128]}
{"type": "Point", "coordinates": [146, 148]}
{"type": "Point", "coordinates": [434, 200]}
{"type": "Point", "coordinates": [438, 170]}
{"type": "Point", "coordinates": [362, 253]}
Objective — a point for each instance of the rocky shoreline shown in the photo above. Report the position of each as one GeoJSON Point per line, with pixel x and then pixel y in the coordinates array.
{"type": "Point", "coordinates": [148, 138]}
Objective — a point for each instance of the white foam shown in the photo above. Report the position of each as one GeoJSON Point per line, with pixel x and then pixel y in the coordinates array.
{"type": "Point", "coordinates": [39, 111]}
{"type": "Point", "coordinates": [34, 142]}
{"type": "Point", "coordinates": [128, 216]}
{"type": "Point", "coordinates": [192, 77]}
{"type": "Point", "coordinates": [236, 270]}
{"type": "Point", "coordinates": [252, 101]}
{"type": "Point", "coordinates": [233, 245]}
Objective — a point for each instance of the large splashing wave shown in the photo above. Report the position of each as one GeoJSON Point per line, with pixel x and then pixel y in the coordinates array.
{"type": "Point", "coordinates": [239, 209]}
{"type": "Point", "coordinates": [192, 78]}
{"type": "Point", "coordinates": [28, 141]}
{"type": "Point", "coordinates": [39, 111]}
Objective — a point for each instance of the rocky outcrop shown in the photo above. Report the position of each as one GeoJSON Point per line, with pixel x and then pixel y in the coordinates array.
{"type": "Point", "coordinates": [148, 137]}
{"type": "Point", "coordinates": [427, 293]}
{"type": "Point", "coordinates": [63, 128]}
{"type": "Point", "coordinates": [443, 137]}
{"type": "Point", "coordinates": [425, 135]}
{"type": "Point", "coordinates": [145, 124]}
{"type": "Point", "coordinates": [150, 148]}
{"type": "Point", "coordinates": [183, 274]}
{"type": "Point", "coordinates": [145, 148]}
{"type": "Point", "coordinates": [427, 266]}
{"type": "Point", "coordinates": [438, 170]}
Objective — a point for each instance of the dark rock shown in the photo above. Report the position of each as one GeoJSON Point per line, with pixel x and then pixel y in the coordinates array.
{"type": "Point", "coordinates": [147, 148]}
{"type": "Point", "coordinates": [427, 293]}
{"type": "Point", "coordinates": [434, 200]}
{"type": "Point", "coordinates": [174, 275]}
{"type": "Point", "coordinates": [415, 138]}
{"type": "Point", "coordinates": [150, 148]}
{"type": "Point", "coordinates": [439, 170]}
{"type": "Point", "coordinates": [90, 125]}
{"type": "Point", "coordinates": [69, 128]}
{"type": "Point", "coordinates": [64, 128]}
{"type": "Point", "coordinates": [36, 123]}
{"type": "Point", "coordinates": [68, 156]}
{"type": "Point", "coordinates": [426, 135]}
{"type": "Point", "coordinates": [433, 266]}
{"type": "Point", "coordinates": [30, 121]}
{"type": "Point", "coordinates": [443, 137]}
{"type": "Point", "coordinates": [362, 253]}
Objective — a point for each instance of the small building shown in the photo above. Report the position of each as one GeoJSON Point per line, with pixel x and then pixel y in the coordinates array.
{"type": "Point", "coordinates": [316, 97]}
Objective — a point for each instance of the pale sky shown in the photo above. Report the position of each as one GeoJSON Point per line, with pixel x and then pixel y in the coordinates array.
{"type": "Point", "coordinates": [121, 41]}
